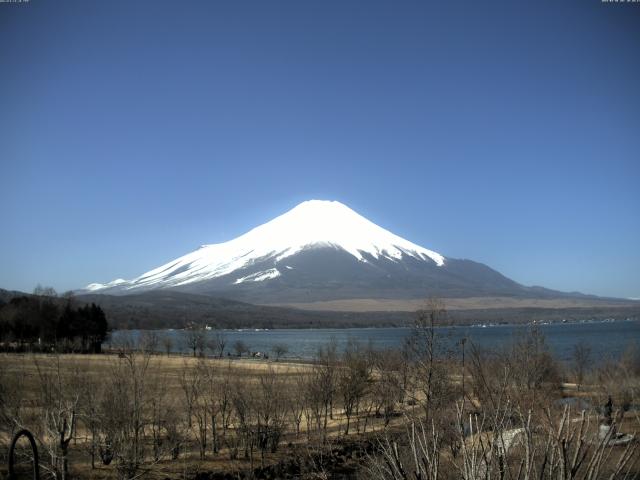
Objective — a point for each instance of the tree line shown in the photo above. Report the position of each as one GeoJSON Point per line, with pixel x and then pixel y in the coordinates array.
{"type": "Point", "coordinates": [45, 322]}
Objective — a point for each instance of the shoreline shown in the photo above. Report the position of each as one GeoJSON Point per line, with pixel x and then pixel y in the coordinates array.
{"type": "Point", "coordinates": [379, 327]}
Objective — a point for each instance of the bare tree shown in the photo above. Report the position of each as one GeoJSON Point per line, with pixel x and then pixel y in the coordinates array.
{"type": "Point", "coordinates": [493, 448]}
{"type": "Point", "coordinates": [240, 347]}
{"type": "Point", "coordinates": [316, 402]}
{"type": "Point", "coordinates": [270, 412]}
{"type": "Point", "coordinates": [224, 398]}
{"type": "Point", "coordinates": [195, 340]}
{"type": "Point", "coordinates": [417, 458]}
{"type": "Point", "coordinates": [213, 390]}
{"type": "Point", "coordinates": [162, 420]}
{"type": "Point", "coordinates": [320, 390]}
{"type": "Point", "coordinates": [167, 343]}
{"type": "Point", "coordinates": [353, 379]}
{"type": "Point", "coordinates": [12, 411]}
{"type": "Point", "coordinates": [426, 348]}
{"type": "Point", "coordinates": [279, 350]}
{"type": "Point", "coordinates": [388, 388]}
{"type": "Point", "coordinates": [189, 385]}
{"type": "Point", "coordinates": [125, 411]}
{"type": "Point", "coordinates": [581, 357]}
{"type": "Point", "coordinates": [243, 408]}
{"type": "Point", "coordinates": [201, 405]}
{"type": "Point", "coordinates": [536, 377]}
{"type": "Point", "coordinates": [90, 415]}
{"type": "Point", "coordinates": [217, 344]}
{"type": "Point", "coordinates": [59, 403]}
{"type": "Point", "coordinates": [297, 399]}
{"type": "Point", "coordinates": [149, 341]}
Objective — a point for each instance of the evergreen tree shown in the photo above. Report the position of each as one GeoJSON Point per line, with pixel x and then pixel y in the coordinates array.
{"type": "Point", "coordinates": [42, 322]}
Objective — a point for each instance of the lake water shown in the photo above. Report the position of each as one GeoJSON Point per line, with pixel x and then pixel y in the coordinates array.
{"type": "Point", "coordinates": [606, 339]}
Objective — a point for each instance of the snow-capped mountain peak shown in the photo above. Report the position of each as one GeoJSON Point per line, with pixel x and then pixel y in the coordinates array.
{"type": "Point", "coordinates": [311, 224]}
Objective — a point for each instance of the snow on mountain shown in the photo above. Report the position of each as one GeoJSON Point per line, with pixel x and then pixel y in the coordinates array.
{"type": "Point", "coordinates": [98, 286]}
{"type": "Point", "coordinates": [260, 276]}
{"type": "Point", "coordinates": [309, 225]}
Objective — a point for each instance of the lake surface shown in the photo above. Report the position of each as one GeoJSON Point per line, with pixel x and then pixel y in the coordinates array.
{"type": "Point", "coordinates": [606, 339]}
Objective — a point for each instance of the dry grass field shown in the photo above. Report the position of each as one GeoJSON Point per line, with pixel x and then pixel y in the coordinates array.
{"type": "Point", "coordinates": [453, 304]}
{"type": "Point", "coordinates": [164, 375]}
{"type": "Point", "coordinates": [134, 414]}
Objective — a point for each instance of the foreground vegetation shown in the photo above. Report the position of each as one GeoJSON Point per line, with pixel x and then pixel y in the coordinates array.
{"type": "Point", "coordinates": [419, 412]}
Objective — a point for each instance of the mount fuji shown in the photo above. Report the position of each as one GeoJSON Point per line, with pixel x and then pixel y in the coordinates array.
{"type": "Point", "coordinates": [321, 251]}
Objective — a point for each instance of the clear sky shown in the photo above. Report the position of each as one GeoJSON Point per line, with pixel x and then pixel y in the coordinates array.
{"type": "Point", "coordinates": [507, 132]}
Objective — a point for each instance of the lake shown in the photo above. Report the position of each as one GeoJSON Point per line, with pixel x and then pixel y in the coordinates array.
{"type": "Point", "coordinates": [607, 339]}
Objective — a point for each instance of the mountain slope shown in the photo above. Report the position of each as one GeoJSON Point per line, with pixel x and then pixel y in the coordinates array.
{"type": "Point", "coordinates": [312, 224]}
{"type": "Point", "coordinates": [321, 250]}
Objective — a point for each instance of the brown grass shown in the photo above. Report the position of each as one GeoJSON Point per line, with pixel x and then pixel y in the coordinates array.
{"type": "Point", "coordinates": [471, 303]}
{"type": "Point", "coordinates": [166, 370]}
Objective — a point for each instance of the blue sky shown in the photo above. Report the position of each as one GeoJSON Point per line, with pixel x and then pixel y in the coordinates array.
{"type": "Point", "coordinates": [508, 132]}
